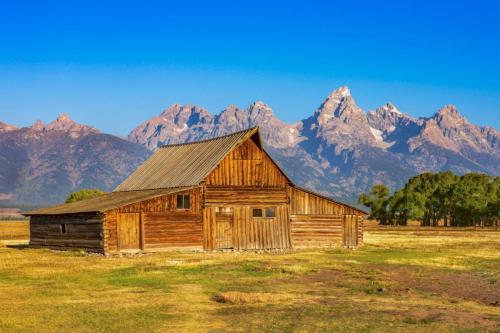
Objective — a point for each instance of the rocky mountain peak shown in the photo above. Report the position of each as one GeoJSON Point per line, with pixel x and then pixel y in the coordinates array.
{"type": "Point", "coordinates": [38, 125]}
{"type": "Point", "coordinates": [339, 104]}
{"type": "Point", "coordinates": [340, 93]}
{"type": "Point", "coordinates": [62, 123]}
{"type": "Point", "coordinates": [182, 115]}
{"type": "Point", "coordinates": [66, 124]}
{"type": "Point", "coordinates": [389, 107]}
{"type": "Point", "coordinates": [448, 116]}
{"type": "Point", "coordinates": [6, 127]}
{"type": "Point", "coordinates": [387, 118]}
{"type": "Point", "coordinates": [260, 107]}
{"type": "Point", "coordinates": [231, 119]}
{"type": "Point", "coordinates": [259, 112]}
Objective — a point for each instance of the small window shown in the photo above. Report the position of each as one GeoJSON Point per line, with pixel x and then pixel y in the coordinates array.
{"type": "Point", "coordinates": [183, 201]}
{"type": "Point", "coordinates": [270, 212]}
{"type": "Point", "coordinates": [257, 212]}
{"type": "Point", "coordinates": [63, 228]}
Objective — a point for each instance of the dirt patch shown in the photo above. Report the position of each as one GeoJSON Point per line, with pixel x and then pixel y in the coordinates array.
{"type": "Point", "coordinates": [457, 318]}
{"type": "Point", "coordinates": [236, 297]}
{"type": "Point", "coordinates": [467, 286]}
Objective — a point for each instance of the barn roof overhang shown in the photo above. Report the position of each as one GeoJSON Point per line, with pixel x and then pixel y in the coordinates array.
{"type": "Point", "coordinates": [105, 202]}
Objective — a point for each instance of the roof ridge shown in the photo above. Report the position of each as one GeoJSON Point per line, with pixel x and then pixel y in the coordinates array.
{"type": "Point", "coordinates": [156, 189]}
{"type": "Point", "coordinates": [210, 139]}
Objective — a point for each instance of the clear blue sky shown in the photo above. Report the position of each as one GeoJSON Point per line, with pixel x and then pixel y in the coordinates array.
{"type": "Point", "coordinates": [114, 64]}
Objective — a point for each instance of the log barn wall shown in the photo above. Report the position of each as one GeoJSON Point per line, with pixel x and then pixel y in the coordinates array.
{"type": "Point", "coordinates": [319, 222]}
{"type": "Point", "coordinates": [72, 231]}
{"type": "Point", "coordinates": [162, 224]}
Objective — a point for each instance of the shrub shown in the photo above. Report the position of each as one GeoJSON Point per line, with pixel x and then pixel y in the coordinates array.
{"type": "Point", "coordinates": [84, 194]}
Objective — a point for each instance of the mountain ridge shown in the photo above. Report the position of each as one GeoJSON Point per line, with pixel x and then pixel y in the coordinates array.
{"type": "Point", "coordinates": [347, 149]}
{"type": "Point", "coordinates": [339, 149]}
{"type": "Point", "coordinates": [41, 164]}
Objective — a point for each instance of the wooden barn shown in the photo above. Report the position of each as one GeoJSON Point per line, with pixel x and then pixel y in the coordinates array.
{"type": "Point", "coordinates": [222, 193]}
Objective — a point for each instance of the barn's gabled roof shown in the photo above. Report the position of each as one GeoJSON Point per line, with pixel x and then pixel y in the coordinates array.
{"type": "Point", "coordinates": [104, 202]}
{"type": "Point", "coordinates": [185, 164]}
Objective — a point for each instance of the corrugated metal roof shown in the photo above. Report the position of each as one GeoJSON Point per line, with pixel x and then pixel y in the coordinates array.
{"type": "Point", "coordinates": [104, 202]}
{"type": "Point", "coordinates": [185, 164]}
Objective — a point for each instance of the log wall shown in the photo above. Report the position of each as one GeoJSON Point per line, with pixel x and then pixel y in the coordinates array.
{"type": "Point", "coordinates": [162, 224]}
{"type": "Point", "coordinates": [315, 230]}
{"type": "Point", "coordinates": [72, 231]}
{"type": "Point", "coordinates": [244, 196]}
{"type": "Point", "coordinates": [318, 222]}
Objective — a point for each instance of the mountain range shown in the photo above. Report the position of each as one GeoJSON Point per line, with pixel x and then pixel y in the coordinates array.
{"type": "Point", "coordinates": [339, 149]}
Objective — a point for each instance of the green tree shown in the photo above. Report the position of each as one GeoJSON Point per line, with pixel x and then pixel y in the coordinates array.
{"type": "Point", "coordinates": [493, 205]}
{"type": "Point", "coordinates": [376, 199]}
{"type": "Point", "coordinates": [470, 198]}
{"type": "Point", "coordinates": [406, 205]}
{"type": "Point", "coordinates": [83, 195]}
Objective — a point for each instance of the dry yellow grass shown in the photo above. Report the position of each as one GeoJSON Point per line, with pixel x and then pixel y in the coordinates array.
{"type": "Point", "coordinates": [400, 281]}
{"type": "Point", "coordinates": [11, 230]}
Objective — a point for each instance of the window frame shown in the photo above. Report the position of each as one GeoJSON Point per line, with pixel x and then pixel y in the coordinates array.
{"type": "Point", "coordinates": [255, 210]}
{"type": "Point", "coordinates": [185, 202]}
{"type": "Point", "coordinates": [263, 212]}
{"type": "Point", "coordinates": [273, 210]}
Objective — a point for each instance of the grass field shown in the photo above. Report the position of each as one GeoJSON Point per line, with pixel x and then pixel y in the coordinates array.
{"type": "Point", "coordinates": [400, 281]}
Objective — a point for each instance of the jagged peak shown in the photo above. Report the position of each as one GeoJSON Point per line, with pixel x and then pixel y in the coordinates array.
{"type": "Point", "coordinates": [38, 125]}
{"type": "Point", "coordinates": [63, 118]}
{"type": "Point", "coordinates": [337, 97]}
{"type": "Point", "coordinates": [340, 92]}
{"type": "Point", "coordinates": [339, 104]}
{"type": "Point", "coordinates": [259, 107]}
{"type": "Point", "coordinates": [231, 108]}
{"type": "Point", "coordinates": [62, 122]}
{"type": "Point", "coordinates": [448, 109]}
{"type": "Point", "coordinates": [259, 104]}
{"type": "Point", "coordinates": [177, 107]}
{"type": "Point", "coordinates": [389, 107]}
{"type": "Point", "coordinates": [449, 115]}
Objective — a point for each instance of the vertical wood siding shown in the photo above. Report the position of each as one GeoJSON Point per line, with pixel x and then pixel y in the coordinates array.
{"type": "Point", "coordinates": [250, 233]}
{"type": "Point", "coordinates": [81, 231]}
{"type": "Point", "coordinates": [247, 165]}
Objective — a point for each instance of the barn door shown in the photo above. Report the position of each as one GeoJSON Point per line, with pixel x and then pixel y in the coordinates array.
{"type": "Point", "coordinates": [350, 228]}
{"type": "Point", "coordinates": [224, 228]}
{"type": "Point", "coordinates": [129, 231]}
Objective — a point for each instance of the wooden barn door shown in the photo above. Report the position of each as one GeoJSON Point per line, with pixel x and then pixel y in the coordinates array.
{"type": "Point", "coordinates": [350, 228]}
{"type": "Point", "coordinates": [129, 231]}
{"type": "Point", "coordinates": [224, 221]}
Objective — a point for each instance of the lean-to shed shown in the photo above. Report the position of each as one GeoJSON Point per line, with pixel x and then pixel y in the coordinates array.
{"type": "Point", "coordinates": [221, 193]}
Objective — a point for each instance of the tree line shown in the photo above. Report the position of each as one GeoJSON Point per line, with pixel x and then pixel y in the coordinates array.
{"type": "Point", "coordinates": [469, 200]}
